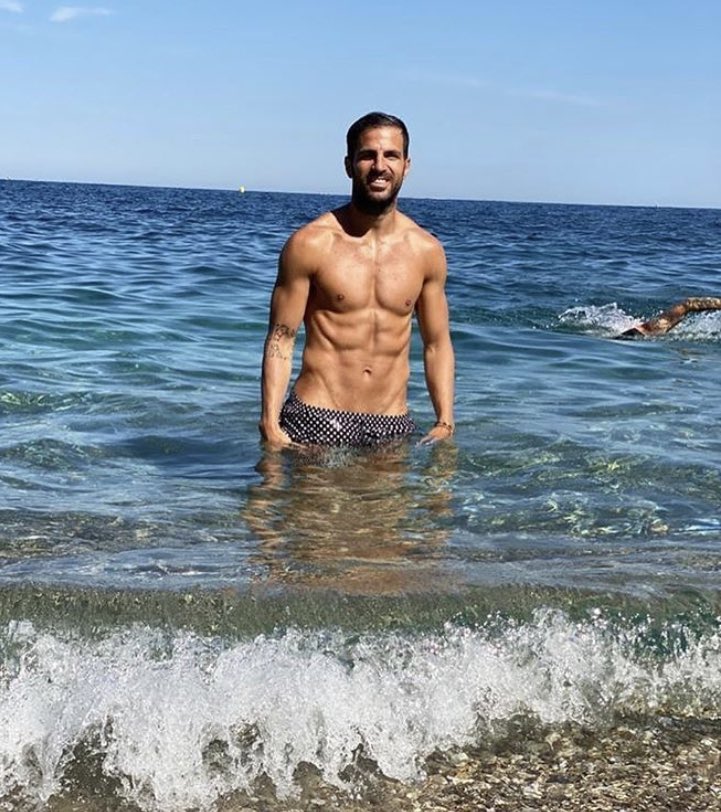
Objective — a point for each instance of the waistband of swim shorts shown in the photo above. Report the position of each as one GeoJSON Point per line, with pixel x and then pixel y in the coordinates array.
{"type": "Point", "coordinates": [293, 399]}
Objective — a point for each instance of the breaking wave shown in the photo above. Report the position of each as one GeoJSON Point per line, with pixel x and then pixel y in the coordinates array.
{"type": "Point", "coordinates": [179, 721]}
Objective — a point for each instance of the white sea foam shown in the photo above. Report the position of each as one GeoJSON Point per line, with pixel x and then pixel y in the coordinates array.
{"type": "Point", "coordinates": [701, 326]}
{"type": "Point", "coordinates": [181, 722]}
{"type": "Point", "coordinates": [608, 319]}
{"type": "Point", "coordinates": [611, 320]}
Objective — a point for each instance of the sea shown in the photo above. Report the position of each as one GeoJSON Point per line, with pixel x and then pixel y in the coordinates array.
{"type": "Point", "coordinates": [184, 614]}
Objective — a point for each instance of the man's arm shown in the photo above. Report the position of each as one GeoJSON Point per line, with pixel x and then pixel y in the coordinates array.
{"type": "Point", "coordinates": [438, 356]}
{"type": "Point", "coordinates": [287, 307]}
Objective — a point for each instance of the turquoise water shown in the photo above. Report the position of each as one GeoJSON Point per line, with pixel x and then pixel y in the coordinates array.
{"type": "Point", "coordinates": [558, 561]}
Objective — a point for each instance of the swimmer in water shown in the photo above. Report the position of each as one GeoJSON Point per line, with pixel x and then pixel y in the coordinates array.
{"type": "Point", "coordinates": [671, 317]}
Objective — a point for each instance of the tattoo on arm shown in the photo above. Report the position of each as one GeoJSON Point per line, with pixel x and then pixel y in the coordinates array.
{"type": "Point", "coordinates": [280, 339]}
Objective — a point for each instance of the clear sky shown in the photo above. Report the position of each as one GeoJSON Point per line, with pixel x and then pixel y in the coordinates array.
{"type": "Point", "coordinates": [588, 101]}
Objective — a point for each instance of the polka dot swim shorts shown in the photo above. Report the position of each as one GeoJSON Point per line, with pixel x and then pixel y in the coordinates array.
{"type": "Point", "coordinates": [313, 425]}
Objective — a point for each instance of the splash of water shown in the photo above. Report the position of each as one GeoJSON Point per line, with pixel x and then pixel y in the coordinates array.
{"type": "Point", "coordinates": [606, 320]}
{"type": "Point", "coordinates": [611, 320]}
{"type": "Point", "coordinates": [180, 721]}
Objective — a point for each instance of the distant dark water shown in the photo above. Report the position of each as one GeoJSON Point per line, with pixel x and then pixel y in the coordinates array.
{"type": "Point", "coordinates": [560, 560]}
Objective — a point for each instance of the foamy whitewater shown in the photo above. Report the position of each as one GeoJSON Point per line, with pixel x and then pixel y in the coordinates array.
{"type": "Point", "coordinates": [184, 616]}
{"type": "Point", "coordinates": [185, 720]}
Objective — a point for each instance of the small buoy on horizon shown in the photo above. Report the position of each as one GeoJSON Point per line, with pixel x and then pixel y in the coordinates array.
{"type": "Point", "coordinates": [242, 189]}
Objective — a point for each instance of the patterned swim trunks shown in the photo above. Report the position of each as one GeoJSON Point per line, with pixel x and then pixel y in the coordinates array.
{"type": "Point", "coordinates": [313, 425]}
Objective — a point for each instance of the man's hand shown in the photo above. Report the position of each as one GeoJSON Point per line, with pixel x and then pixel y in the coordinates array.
{"type": "Point", "coordinates": [441, 431]}
{"type": "Point", "coordinates": [274, 436]}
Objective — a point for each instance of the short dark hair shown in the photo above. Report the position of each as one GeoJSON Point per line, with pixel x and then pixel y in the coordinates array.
{"type": "Point", "coordinates": [368, 122]}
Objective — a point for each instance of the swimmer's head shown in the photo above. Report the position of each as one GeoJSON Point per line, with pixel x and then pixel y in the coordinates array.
{"type": "Point", "coordinates": [629, 335]}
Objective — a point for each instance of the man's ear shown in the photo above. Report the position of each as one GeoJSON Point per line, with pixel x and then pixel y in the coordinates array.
{"type": "Point", "coordinates": [348, 166]}
{"type": "Point", "coordinates": [408, 167]}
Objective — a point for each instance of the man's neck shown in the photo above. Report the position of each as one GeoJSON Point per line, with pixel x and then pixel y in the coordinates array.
{"type": "Point", "coordinates": [359, 222]}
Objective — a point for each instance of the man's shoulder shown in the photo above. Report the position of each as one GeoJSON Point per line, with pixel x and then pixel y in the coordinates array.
{"type": "Point", "coordinates": [305, 249]}
{"type": "Point", "coordinates": [420, 238]}
{"type": "Point", "coordinates": [315, 232]}
{"type": "Point", "coordinates": [313, 235]}
{"type": "Point", "coordinates": [410, 229]}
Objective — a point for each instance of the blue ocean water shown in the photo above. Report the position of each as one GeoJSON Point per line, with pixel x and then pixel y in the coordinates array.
{"type": "Point", "coordinates": [168, 589]}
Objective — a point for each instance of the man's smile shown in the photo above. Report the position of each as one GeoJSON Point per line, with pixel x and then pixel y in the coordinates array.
{"type": "Point", "coordinates": [380, 182]}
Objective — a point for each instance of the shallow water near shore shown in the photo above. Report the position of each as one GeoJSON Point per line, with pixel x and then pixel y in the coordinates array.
{"type": "Point", "coordinates": [187, 622]}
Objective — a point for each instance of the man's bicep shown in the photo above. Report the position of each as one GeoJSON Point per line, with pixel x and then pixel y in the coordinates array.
{"type": "Point", "coordinates": [432, 308]}
{"type": "Point", "coordinates": [288, 303]}
{"type": "Point", "coordinates": [432, 312]}
{"type": "Point", "coordinates": [290, 294]}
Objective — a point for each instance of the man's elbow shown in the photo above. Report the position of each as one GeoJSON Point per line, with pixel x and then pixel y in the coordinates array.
{"type": "Point", "coordinates": [438, 345]}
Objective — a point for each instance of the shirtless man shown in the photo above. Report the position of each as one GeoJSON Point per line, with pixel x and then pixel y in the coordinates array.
{"type": "Point", "coordinates": [671, 317]}
{"type": "Point", "coordinates": [355, 276]}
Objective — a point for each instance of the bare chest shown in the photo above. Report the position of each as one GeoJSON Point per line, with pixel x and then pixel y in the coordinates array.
{"type": "Point", "coordinates": [360, 277]}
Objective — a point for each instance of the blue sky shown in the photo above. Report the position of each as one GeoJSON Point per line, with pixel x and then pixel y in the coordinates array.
{"type": "Point", "coordinates": [569, 101]}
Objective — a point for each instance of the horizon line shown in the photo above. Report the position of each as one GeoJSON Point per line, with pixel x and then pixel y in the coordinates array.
{"type": "Point", "coordinates": [247, 190]}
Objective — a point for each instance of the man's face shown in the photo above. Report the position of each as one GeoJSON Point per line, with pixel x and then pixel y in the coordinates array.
{"type": "Point", "coordinates": [377, 169]}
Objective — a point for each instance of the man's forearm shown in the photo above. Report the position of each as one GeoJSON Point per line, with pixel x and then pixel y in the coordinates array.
{"type": "Point", "coordinates": [276, 376]}
{"type": "Point", "coordinates": [277, 368]}
{"type": "Point", "coordinates": [439, 364]}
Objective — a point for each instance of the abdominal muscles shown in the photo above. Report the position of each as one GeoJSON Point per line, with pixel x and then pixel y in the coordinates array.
{"type": "Point", "coordinates": [358, 365]}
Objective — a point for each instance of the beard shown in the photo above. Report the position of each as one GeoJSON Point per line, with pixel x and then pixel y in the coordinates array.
{"type": "Point", "coordinates": [368, 203]}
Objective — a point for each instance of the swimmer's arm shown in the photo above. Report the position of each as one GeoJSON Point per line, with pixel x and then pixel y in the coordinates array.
{"type": "Point", "coordinates": [665, 321]}
{"type": "Point", "coordinates": [287, 307]}
{"type": "Point", "coordinates": [672, 316]}
{"type": "Point", "coordinates": [438, 355]}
